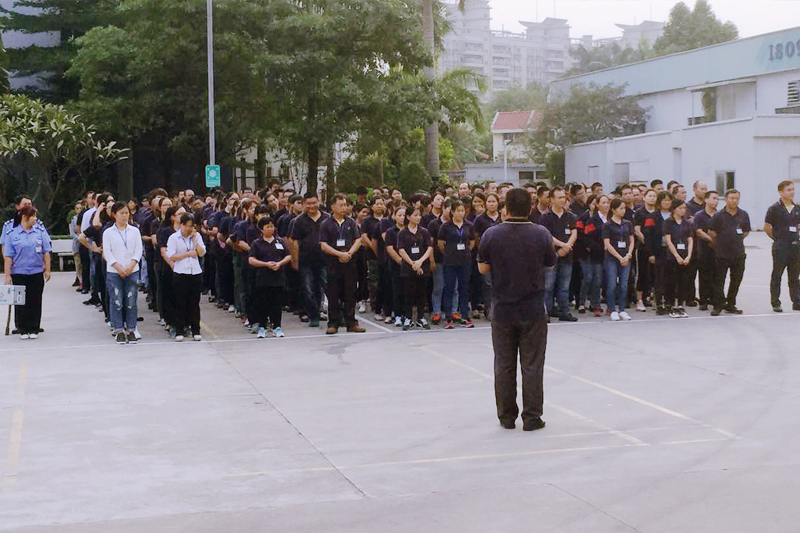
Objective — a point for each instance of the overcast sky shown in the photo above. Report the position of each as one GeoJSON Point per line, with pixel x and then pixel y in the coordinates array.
{"type": "Point", "coordinates": [597, 17]}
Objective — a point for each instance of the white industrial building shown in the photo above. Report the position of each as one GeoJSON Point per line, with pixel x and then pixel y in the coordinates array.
{"type": "Point", "coordinates": [744, 133]}
{"type": "Point", "coordinates": [540, 54]}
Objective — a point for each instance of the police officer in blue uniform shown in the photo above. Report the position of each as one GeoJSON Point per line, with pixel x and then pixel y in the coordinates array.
{"type": "Point", "coordinates": [26, 253]}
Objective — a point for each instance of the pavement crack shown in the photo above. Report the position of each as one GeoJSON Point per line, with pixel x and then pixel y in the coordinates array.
{"type": "Point", "coordinates": [271, 405]}
{"type": "Point", "coordinates": [612, 517]}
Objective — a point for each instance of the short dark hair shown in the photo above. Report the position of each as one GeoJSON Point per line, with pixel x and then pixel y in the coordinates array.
{"type": "Point", "coordinates": [626, 186]}
{"type": "Point", "coordinates": [338, 196]}
{"type": "Point", "coordinates": [361, 190]}
{"type": "Point", "coordinates": [264, 221]}
{"type": "Point", "coordinates": [655, 182]}
{"type": "Point", "coordinates": [310, 194]}
{"type": "Point", "coordinates": [676, 204]}
{"type": "Point", "coordinates": [22, 197]}
{"type": "Point", "coordinates": [663, 195]}
{"type": "Point", "coordinates": [117, 206]}
{"type": "Point", "coordinates": [709, 193]}
{"type": "Point", "coordinates": [732, 191]}
{"type": "Point", "coordinates": [782, 185]}
{"type": "Point", "coordinates": [553, 191]}
{"type": "Point", "coordinates": [542, 191]}
{"type": "Point", "coordinates": [616, 202]}
{"type": "Point", "coordinates": [575, 189]}
{"type": "Point", "coordinates": [295, 198]}
{"type": "Point", "coordinates": [518, 202]}
{"type": "Point", "coordinates": [27, 211]}
{"type": "Point", "coordinates": [187, 217]}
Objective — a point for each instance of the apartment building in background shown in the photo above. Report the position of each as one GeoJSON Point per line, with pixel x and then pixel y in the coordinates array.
{"type": "Point", "coordinates": [539, 54]}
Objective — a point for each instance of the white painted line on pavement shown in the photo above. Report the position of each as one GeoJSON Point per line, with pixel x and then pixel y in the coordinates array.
{"type": "Point", "coordinates": [374, 325]}
{"type": "Point", "coordinates": [15, 439]}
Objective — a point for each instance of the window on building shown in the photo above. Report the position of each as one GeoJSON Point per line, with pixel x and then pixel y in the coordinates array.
{"type": "Point", "coordinates": [622, 172]}
{"type": "Point", "coordinates": [526, 176]}
{"type": "Point", "coordinates": [794, 170]}
{"type": "Point", "coordinates": [509, 137]}
{"type": "Point", "coordinates": [793, 97]}
{"type": "Point", "coordinates": [726, 179]}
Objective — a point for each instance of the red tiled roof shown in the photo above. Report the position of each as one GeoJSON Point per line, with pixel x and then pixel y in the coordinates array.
{"type": "Point", "coordinates": [515, 120]}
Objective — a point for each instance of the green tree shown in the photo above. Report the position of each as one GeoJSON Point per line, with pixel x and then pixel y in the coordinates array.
{"type": "Point", "coordinates": [587, 113]}
{"type": "Point", "coordinates": [606, 56]}
{"type": "Point", "coordinates": [69, 20]}
{"type": "Point", "coordinates": [689, 29]}
{"type": "Point", "coordinates": [50, 152]}
{"type": "Point", "coordinates": [516, 98]}
{"type": "Point", "coordinates": [4, 85]}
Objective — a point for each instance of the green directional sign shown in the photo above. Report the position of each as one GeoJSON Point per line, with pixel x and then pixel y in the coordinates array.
{"type": "Point", "coordinates": [213, 176]}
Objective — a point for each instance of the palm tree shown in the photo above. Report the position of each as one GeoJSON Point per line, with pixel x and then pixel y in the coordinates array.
{"type": "Point", "coordinates": [432, 131]}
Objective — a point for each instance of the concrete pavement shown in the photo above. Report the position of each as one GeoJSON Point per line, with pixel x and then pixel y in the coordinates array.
{"type": "Point", "coordinates": [657, 425]}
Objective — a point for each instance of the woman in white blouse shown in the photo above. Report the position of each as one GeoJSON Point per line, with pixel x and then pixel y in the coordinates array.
{"type": "Point", "coordinates": [184, 248]}
{"type": "Point", "coordinates": [122, 251]}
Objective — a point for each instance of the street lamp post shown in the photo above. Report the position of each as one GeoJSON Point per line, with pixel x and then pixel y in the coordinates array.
{"type": "Point", "coordinates": [505, 159]}
{"type": "Point", "coordinates": [210, 31]}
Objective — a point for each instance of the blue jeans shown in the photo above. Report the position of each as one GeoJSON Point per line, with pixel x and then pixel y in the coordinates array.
{"type": "Point", "coordinates": [122, 296]}
{"type": "Point", "coordinates": [592, 282]}
{"type": "Point", "coordinates": [556, 283]}
{"type": "Point", "coordinates": [143, 280]}
{"type": "Point", "coordinates": [438, 290]}
{"type": "Point", "coordinates": [314, 280]}
{"type": "Point", "coordinates": [616, 284]}
{"type": "Point", "coordinates": [456, 275]}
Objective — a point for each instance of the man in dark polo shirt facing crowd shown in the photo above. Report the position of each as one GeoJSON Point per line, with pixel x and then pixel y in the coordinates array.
{"type": "Point", "coordinates": [781, 224]}
{"type": "Point", "coordinates": [340, 239]}
{"type": "Point", "coordinates": [516, 253]}
{"type": "Point", "coordinates": [308, 257]}
{"type": "Point", "coordinates": [729, 228]}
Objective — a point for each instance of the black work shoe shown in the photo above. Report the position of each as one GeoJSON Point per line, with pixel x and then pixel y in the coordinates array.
{"type": "Point", "coordinates": [533, 425]}
{"type": "Point", "coordinates": [661, 311]}
{"type": "Point", "coordinates": [691, 303]}
{"type": "Point", "coordinates": [732, 309]}
{"type": "Point", "coordinates": [508, 424]}
{"type": "Point", "coordinates": [567, 318]}
{"type": "Point", "coordinates": [777, 309]}
{"type": "Point", "coordinates": [716, 311]}
{"type": "Point", "coordinates": [121, 339]}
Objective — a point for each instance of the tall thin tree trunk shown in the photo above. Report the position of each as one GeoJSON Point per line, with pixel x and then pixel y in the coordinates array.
{"type": "Point", "coordinates": [261, 164]}
{"type": "Point", "coordinates": [432, 131]}
{"type": "Point", "coordinates": [330, 172]}
{"type": "Point", "coordinates": [313, 166]}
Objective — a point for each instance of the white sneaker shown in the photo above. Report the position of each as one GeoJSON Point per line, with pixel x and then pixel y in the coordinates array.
{"type": "Point", "coordinates": [398, 321]}
{"type": "Point", "coordinates": [640, 307]}
{"type": "Point", "coordinates": [137, 334]}
{"type": "Point", "coordinates": [387, 320]}
{"type": "Point", "coordinates": [624, 315]}
{"type": "Point", "coordinates": [198, 337]}
{"type": "Point", "coordinates": [615, 317]}
{"type": "Point", "coordinates": [262, 333]}
{"type": "Point", "coordinates": [279, 333]}
{"type": "Point", "coordinates": [232, 309]}
{"type": "Point", "coordinates": [323, 316]}
{"type": "Point", "coordinates": [178, 338]}
{"type": "Point", "coordinates": [379, 318]}
{"type": "Point", "coordinates": [25, 336]}
{"type": "Point", "coordinates": [362, 308]}
{"type": "Point", "coordinates": [674, 313]}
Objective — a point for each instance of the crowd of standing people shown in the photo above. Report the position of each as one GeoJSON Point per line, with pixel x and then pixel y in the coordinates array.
{"type": "Point", "coordinates": [412, 262]}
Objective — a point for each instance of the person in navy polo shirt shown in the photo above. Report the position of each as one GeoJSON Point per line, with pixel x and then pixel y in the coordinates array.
{"type": "Point", "coordinates": [729, 228]}
{"type": "Point", "coordinates": [26, 251]}
{"type": "Point", "coordinates": [516, 253]}
{"type": "Point", "coordinates": [307, 256]}
{"type": "Point", "coordinates": [706, 260]}
{"type": "Point", "coordinates": [340, 239]}
{"type": "Point", "coordinates": [562, 225]}
{"type": "Point", "coordinates": [781, 224]}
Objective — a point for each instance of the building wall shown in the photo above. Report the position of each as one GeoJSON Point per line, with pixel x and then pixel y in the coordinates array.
{"type": "Point", "coordinates": [772, 90]}
{"type": "Point", "coordinates": [760, 151]}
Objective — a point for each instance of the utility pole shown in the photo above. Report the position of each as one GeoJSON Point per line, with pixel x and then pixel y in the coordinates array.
{"type": "Point", "coordinates": [211, 130]}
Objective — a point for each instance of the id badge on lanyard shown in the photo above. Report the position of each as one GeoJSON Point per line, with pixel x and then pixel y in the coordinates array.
{"type": "Point", "coordinates": [461, 246]}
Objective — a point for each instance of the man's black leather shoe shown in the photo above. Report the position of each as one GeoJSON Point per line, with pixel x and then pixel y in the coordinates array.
{"type": "Point", "coordinates": [533, 425]}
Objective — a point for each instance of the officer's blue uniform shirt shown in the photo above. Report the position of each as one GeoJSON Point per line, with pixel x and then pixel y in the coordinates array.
{"type": "Point", "coordinates": [27, 249]}
{"type": "Point", "coordinates": [8, 226]}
